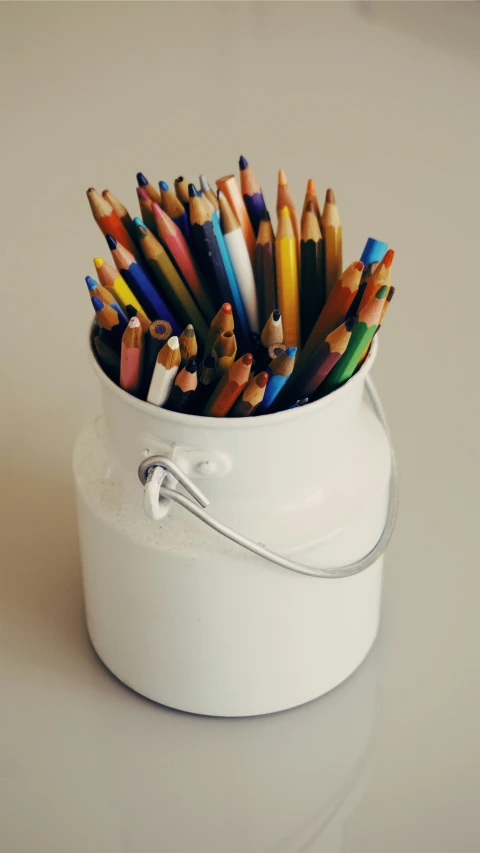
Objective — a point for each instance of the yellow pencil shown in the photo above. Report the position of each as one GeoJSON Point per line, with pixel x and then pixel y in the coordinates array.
{"type": "Point", "coordinates": [287, 278]}
{"type": "Point", "coordinates": [110, 278]}
{"type": "Point", "coordinates": [332, 235]}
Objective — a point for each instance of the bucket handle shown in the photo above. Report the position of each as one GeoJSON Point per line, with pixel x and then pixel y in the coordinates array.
{"type": "Point", "coordinates": [197, 507]}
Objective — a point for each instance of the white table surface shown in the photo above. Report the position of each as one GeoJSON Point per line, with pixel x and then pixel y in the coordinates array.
{"type": "Point", "coordinates": [379, 101]}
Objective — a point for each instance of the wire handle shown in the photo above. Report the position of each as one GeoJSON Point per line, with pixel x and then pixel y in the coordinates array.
{"type": "Point", "coordinates": [199, 502]}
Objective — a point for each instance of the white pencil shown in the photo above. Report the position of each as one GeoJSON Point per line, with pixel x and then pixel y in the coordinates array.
{"type": "Point", "coordinates": [240, 258]}
{"type": "Point", "coordinates": [164, 372]}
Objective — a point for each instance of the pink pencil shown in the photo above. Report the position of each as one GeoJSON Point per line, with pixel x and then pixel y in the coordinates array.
{"type": "Point", "coordinates": [131, 358]}
{"type": "Point", "coordinates": [173, 240]}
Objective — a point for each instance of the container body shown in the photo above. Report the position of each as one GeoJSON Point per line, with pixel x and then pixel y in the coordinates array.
{"type": "Point", "coordinates": [193, 621]}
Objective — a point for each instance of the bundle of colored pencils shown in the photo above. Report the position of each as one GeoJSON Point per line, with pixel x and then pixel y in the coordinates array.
{"type": "Point", "coordinates": [207, 311]}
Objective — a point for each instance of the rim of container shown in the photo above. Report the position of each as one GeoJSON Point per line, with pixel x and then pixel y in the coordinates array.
{"type": "Point", "coordinates": [234, 423]}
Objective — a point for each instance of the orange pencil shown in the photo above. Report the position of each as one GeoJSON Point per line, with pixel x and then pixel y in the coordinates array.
{"type": "Point", "coordinates": [230, 387]}
{"type": "Point", "coordinates": [109, 222]}
{"type": "Point", "coordinates": [131, 359]}
{"type": "Point", "coordinates": [229, 187]}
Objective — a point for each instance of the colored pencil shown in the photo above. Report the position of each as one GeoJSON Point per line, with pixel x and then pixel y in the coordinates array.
{"type": "Point", "coordinates": [373, 251]}
{"type": "Point", "coordinates": [131, 311]}
{"type": "Point", "coordinates": [222, 322]}
{"type": "Point", "coordinates": [112, 281]}
{"type": "Point", "coordinates": [108, 221]}
{"type": "Point", "coordinates": [285, 199]}
{"type": "Point", "coordinates": [272, 332]}
{"type": "Point", "coordinates": [146, 213]}
{"type": "Point", "coordinates": [113, 323]}
{"type": "Point", "coordinates": [279, 371]}
{"type": "Point", "coordinates": [131, 359]}
{"type": "Point", "coordinates": [96, 289]}
{"type": "Point", "coordinates": [108, 358]}
{"type": "Point", "coordinates": [206, 382]}
{"type": "Point", "coordinates": [322, 362]}
{"type": "Point", "coordinates": [252, 395]}
{"type": "Point", "coordinates": [149, 188]}
{"type": "Point", "coordinates": [170, 283]}
{"type": "Point", "coordinates": [264, 268]}
{"type": "Point", "coordinates": [188, 344]}
{"type": "Point", "coordinates": [276, 349]}
{"type": "Point", "coordinates": [121, 212]}
{"type": "Point", "coordinates": [176, 211]}
{"type": "Point", "coordinates": [229, 387]}
{"type": "Point", "coordinates": [173, 240]}
{"type": "Point", "coordinates": [158, 334]}
{"type": "Point", "coordinates": [181, 191]}
{"type": "Point", "coordinates": [312, 276]}
{"type": "Point", "coordinates": [252, 194]}
{"type": "Point", "coordinates": [140, 283]}
{"type": "Point", "coordinates": [229, 187]}
{"type": "Point", "coordinates": [369, 315]}
{"type": "Point", "coordinates": [311, 195]}
{"type": "Point", "coordinates": [242, 267]}
{"type": "Point", "coordinates": [377, 272]}
{"type": "Point", "coordinates": [183, 392]}
{"type": "Point", "coordinates": [336, 308]}
{"type": "Point", "coordinates": [225, 351]}
{"type": "Point", "coordinates": [164, 372]}
{"type": "Point", "coordinates": [332, 235]}
{"type": "Point", "coordinates": [287, 278]}
{"type": "Point", "coordinates": [208, 249]}
{"type": "Point", "coordinates": [208, 191]}
{"type": "Point", "coordinates": [389, 297]}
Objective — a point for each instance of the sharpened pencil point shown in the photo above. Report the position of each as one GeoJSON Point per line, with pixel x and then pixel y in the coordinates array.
{"type": "Point", "coordinates": [173, 342]}
{"type": "Point", "coordinates": [329, 197]}
{"type": "Point", "coordinates": [179, 179]}
{"type": "Point", "coordinates": [192, 191]}
{"type": "Point", "coordinates": [191, 365]}
{"type": "Point", "coordinates": [261, 379]}
{"type": "Point", "coordinates": [98, 262]}
{"type": "Point", "coordinates": [282, 178]}
{"type": "Point", "coordinates": [91, 283]}
{"type": "Point", "coordinates": [142, 181]}
{"type": "Point", "coordinates": [227, 308]}
{"type": "Point", "coordinates": [276, 315]}
{"type": "Point", "coordinates": [139, 222]}
{"type": "Point", "coordinates": [111, 242]}
{"type": "Point", "coordinates": [291, 351]}
{"type": "Point", "coordinates": [163, 185]}
{"type": "Point", "coordinates": [247, 358]}
{"type": "Point", "coordinates": [311, 188]}
{"type": "Point", "coordinates": [388, 258]}
{"type": "Point", "coordinates": [243, 163]}
{"type": "Point", "coordinates": [134, 323]}
{"type": "Point", "coordinates": [358, 266]}
{"type": "Point", "coordinates": [350, 323]}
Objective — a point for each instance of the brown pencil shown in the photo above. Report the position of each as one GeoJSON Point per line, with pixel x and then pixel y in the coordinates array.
{"type": "Point", "coordinates": [285, 199]}
{"type": "Point", "coordinates": [224, 350]}
{"type": "Point", "coordinates": [188, 344]}
{"type": "Point", "coordinates": [229, 187]}
{"type": "Point", "coordinates": [264, 268]}
{"type": "Point", "coordinates": [312, 277]}
{"type": "Point", "coordinates": [229, 387]}
{"type": "Point", "coordinates": [252, 396]}
{"type": "Point", "coordinates": [222, 322]}
{"type": "Point", "coordinates": [272, 332]}
{"type": "Point", "coordinates": [181, 190]}
{"type": "Point", "coordinates": [332, 235]}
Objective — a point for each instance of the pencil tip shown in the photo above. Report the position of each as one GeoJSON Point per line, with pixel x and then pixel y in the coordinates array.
{"type": "Point", "coordinates": [388, 259]}
{"type": "Point", "coordinates": [291, 351]}
{"type": "Point", "coordinates": [179, 179]}
{"type": "Point", "coordinates": [97, 303]}
{"type": "Point", "coordinates": [142, 181]}
{"type": "Point", "coordinates": [163, 185]}
{"type": "Point", "coordinates": [130, 311]}
{"type": "Point", "coordinates": [111, 242]}
{"type": "Point", "coordinates": [227, 308]}
{"type": "Point", "coordinates": [247, 358]}
{"type": "Point", "coordinates": [92, 191]}
{"type": "Point", "coordinates": [139, 222]}
{"type": "Point", "coordinates": [276, 315]}
{"type": "Point", "coordinates": [141, 193]}
{"type": "Point", "coordinates": [134, 323]}
{"type": "Point", "coordinates": [243, 163]}
{"type": "Point", "coordinates": [91, 283]}
{"type": "Point", "coordinates": [261, 379]}
{"type": "Point", "coordinates": [282, 178]}
{"type": "Point", "coordinates": [358, 265]}
{"type": "Point", "coordinates": [192, 191]}
{"type": "Point", "coordinates": [204, 183]}
{"type": "Point", "coordinates": [350, 323]}
{"type": "Point", "coordinates": [329, 197]}
{"type": "Point", "coordinates": [311, 188]}
{"type": "Point", "coordinates": [98, 262]}
{"type": "Point", "coordinates": [191, 365]}
{"type": "Point", "coordinates": [173, 342]}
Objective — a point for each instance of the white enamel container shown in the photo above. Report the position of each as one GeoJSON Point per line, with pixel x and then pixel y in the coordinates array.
{"type": "Point", "coordinates": [188, 618]}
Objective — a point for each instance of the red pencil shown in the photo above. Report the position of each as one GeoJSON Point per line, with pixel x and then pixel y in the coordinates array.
{"type": "Point", "coordinates": [109, 222]}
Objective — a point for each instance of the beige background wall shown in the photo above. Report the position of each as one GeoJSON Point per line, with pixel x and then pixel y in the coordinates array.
{"type": "Point", "coordinates": [379, 101]}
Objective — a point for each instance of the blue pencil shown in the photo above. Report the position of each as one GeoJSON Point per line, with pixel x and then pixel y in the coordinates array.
{"type": "Point", "coordinates": [252, 194]}
{"type": "Point", "coordinates": [141, 285]}
{"type": "Point", "coordinates": [373, 252]}
{"type": "Point", "coordinates": [111, 323]}
{"type": "Point", "coordinates": [96, 289]}
{"type": "Point", "coordinates": [280, 369]}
